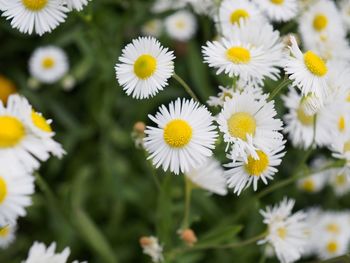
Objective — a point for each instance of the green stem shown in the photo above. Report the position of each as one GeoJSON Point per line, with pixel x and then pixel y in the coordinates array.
{"type": "Point", "coordinates": [153, 172]}
{"type": "Point", "coordinates": [278, 89]}
{"type": "Point", "coordinates": [185, 86]}
{"type": "Point", "coordinates": [188, 193]}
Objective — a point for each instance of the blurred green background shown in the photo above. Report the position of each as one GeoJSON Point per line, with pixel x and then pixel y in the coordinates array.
{"type": "Point", "coordinates": [107, 196]}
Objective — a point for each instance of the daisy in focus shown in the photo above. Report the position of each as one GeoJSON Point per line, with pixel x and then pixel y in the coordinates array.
{"type": "Point", "coordinates": [252, 52]}
{"type": "Point", "coordinates": [181, 25]}
{"type": "Point", "coordinates": [48, 64]}
{"type": "Point", "coordinates": [184, 138]}
{"type": "Point", "coordinates": [249, 124]}
{"type": "Point", "coordinates": [7, 235]}
{"type": "Point", "coordinates": [209, 176]}
{"type": "Point", "coordinates": [286, 231]}
{"type": "Point", "coordinates": [308, 71]}
{"type": "Point", "coordinates": [242, 174]}
{"type": "Point", "coordinates": [278, 10]}
{"type": "Point", "coordinates": [145, 67]}
{"type": "Point", "coordinates": [39, 16]}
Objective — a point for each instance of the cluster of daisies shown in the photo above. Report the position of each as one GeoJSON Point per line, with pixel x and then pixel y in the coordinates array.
{"type": "Point", "coordinates": [38, 16]}
{"type": "Point", "coordinates": [249, 50]}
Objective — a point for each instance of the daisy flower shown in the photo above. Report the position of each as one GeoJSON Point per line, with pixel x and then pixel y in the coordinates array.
{"type": "Point", "coordinates": [251, 52]}
{"type": "Point", "coordinates": [15, 192]}
{"type": "Point", "coordinates": [279, 10]}
{"type": "Point", "coordinates": [145, 67]}
{"type": "Point", "coordinates": [152, 28]}
{"type": "Point", "coordinates": [286, 231]}
{"type": "Point", "coordinates": [233, 12]}
{"type": "Point", "coordinates": [39, 253]}
{"type": "Point", "coordinates": [7, 235]}
{"type": "Point", "coordinates": [48, 64]}
{"type": "Point", "coordinates": [76, 4]}
{"type": "Point", "coordinates": [344, 7]}
{"type": "Point", "coordinates": [184, 138]}
{"type": "Point", "coordinates": [161, 6]}
{"type": "Point", "coordinates": [308, 71]}
{"type": "Point", "coordinates": [7, 88]}
{"type": "Point", "coordinates": [339, 181]}
{"type": "Point", "coordinates": [181, 25]}
{"type": "Point", "coordinates": [209, 176]}
{"type": "Point", "coordinates": [218, 101]}
{"type": "Point", "coordinates": [20, 146]}
{"type": "Point", "coordinates": [249, 123]}
{"type": "Point", "coordinates": [150, 246]}
{"type": "Point", "coordinates": [40, 16]}
{"type": "Point", "coordinates": [242, 174]}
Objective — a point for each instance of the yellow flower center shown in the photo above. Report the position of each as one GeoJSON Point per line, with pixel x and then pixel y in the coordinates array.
{"type": "Point", "coordinates": [340, 179]}
{"type": "Point", "coordinates": [348, 97]}
{"type": "Point", "coordinates": [35, 5]}
{"type": "Point", "coordinates": [257, 167]}
{"type": "Point", "coordinates": [48, 63]}
{"type": "Point", "coordinates": [226, 95]}
{"type": "Point", "coordinates": [241, 124]}
{"type": "Point", "coordinates": [237, 15]}
{"type": "Point", "coordinates": [145, 66]}
{"type": "Point", "coordinates": [6, 88]}
{"type": "Point", "coordinates": [341, 124]}
{"type": "Point", "coordinates": [315, 64]}
{"type": "Point", "coordinates": [40, 122]}
{"type": "Point", "coordinates": [11, 131]}
{"type": "Point", "coordinates": [277, 2]}
{"type": "Point", "coordinates": [332, 247]}
{"type": "Point", "coordinates": [308, 185]}
{"type": "Point", "coordinates": [320, 22]}
{"type": "Point", "coordinates": [333, 228]}
{"type": "Point", "coordinates": [238, 55]}
{"type": "Point", "coordinates": [305, 119]}
{"type": "Point", "coordinates": [3, 190]}
{"type": "Point", "coordinates": [346, 147]}
{"type": "Point", "coordinates": [177, 133]}
{"type": "Point", "coordinates": [4, 231]}
{"type": "Point", "coordinates": [180, 24]}
{"type": "Point", "coordinates": [282, 232]}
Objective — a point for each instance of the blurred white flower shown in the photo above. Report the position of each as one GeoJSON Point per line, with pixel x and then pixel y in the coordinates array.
{"type": "Point", "coordinates": [181, 25]}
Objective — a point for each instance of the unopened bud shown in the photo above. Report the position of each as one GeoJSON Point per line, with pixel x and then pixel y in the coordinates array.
{"type": "Point", "coordinates": [188, 236]}
{"type": "Point", "coordinates": [7, 88]}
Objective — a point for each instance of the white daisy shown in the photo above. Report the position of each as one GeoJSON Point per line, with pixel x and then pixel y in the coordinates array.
{"type": "Point", "coordinates": [249, 123]}
{"type": "Point", "coordinates": [340, 181]}
{"type": "Point", "coordinates": [286, 231]}
{"type": "Point", "coordinates": [308, 71]}
{"type": "Point", "coordinates": [15, 192]}
{"type": "Point", "coordinates": [152, 28]}
{"type": "Point", "coordinates": [181, 25]}
{"type": "Point", "coordinates": [209, 176]}
{"type": "Point", "coordinates": [48, 64]}
{"type": "Point", "coordinates": [40, 16]}
{"type": "Point", "coordinates": [242, 173]}
{"type": "Point", "coordinates": [252, 52]}
{"type": "Point", "coordinates": [344, 7]}
{"type": "Point", "coordinates": [150, 246]}
{"type": "Point", "coordinates": [76, 4]}
{"type": "Point", "coordinates": [225, 93]}
{"type": "Point", "coordinates": [7, 234]}
{"type": "Point", "coordinates": [184, 138]}
{"type": "Point", "coordinates": [203, 7]}
{"type": "Point", "coordinates": [160, 6]}
{"type": "Point", "coordinates": [233, 12]}
{"type": "Point", "coordinates": [20, 147]}
{"type": "Point", "coordinates": [39, 253]}
{"type": "Point", "coordinates": [279, 10]}
{"type": "Point", "coordinates": [145, 67]}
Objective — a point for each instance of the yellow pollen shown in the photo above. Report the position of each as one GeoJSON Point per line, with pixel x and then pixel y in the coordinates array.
{"type": "Point", "coordinates": [282, 232]}
{"type": "Point", "coordinates": [238, 55]}
{"type": "Point", "coordinates": [257, 167]}
{"type": "Point", "coordinates": [277, 2]}
{"type": "Point", "coordinates": [315, 64]}
{"type": "Point", "coordinates": [11, 131]}
{"type": "Point", "coordinates": [340, 179]}
{"type": "Point", "coordinates": [333, 228]}
{"type": "Point", "coordinates": [305, 119]}
{"type": "Point", "coordinates": [241, 124]}
{"type": "Point", "coordinates": [145, 66]}
{"type": "Point", "coordinates": [308, 185]}
{"type": "Point", "coordinates": [6, 89]}
{"type": "Point", "coordinates": [3, 190]}
{"type": "Point", "coordinates": [4, 231]}
{"type": "Point", "coordinates": [180, 24]}
{"type": "Point", "coordinates": [320, 22]}
{"type": "Point", "coordinates": [177, 133]}
{"type": "Point", "coordinates": [40, 122]}
{"type": "Point", "coordinates": [226, 95]}
{"type": "Point", "coordinates": [332, 247]}
{"type": "Point", "coordinates": [341, 124]}
{"type": "Point", "coordinates": [35, 5]}
{"type": "Point", "coordinates": [48, 63]}
{"type": "Point", "coordinates": [237, 15]}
